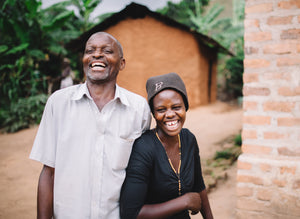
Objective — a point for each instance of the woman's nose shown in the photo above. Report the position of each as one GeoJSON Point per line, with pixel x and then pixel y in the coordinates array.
{"type": "Point", "coordinates": [170, 113]}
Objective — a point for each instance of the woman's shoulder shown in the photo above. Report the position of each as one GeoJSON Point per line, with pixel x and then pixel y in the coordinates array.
{"type": "Point", "coordinates": [145, 141]}
{"type": "Point", "coordinates": [187, 133]}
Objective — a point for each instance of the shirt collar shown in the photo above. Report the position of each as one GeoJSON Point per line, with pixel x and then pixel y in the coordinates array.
{"type": "Point", "coordinates": [83, 91]}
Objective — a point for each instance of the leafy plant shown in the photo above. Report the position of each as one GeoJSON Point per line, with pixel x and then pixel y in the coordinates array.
{"type": "Point", "coordinates": [31, 51]}
{"type": "Point", "coordinates": [23, 113]}
{"type": "Point", "coordinates": [238, 140]}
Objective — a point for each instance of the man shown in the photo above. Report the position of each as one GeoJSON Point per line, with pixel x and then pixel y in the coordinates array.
{"type": "Point", "coordinates": [85, 138]}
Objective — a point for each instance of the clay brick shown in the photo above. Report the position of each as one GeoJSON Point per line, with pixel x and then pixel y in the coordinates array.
{"type": "Point", "coordinates": [256, 91]}
{"type": "Point", "coordinates": [250, 50]}
{"type": "Point", "coordinates": [279, 106]}
{"type": "Point", "coordinates": [248, 23]}
{"type": "Point", "coordinates": [256, 149]}
{"type": "Point", "coordinates": [249, 105]}
{"type": "Point", "coordinates": [264, 194]}
{"type": "Point", "coordinates": [290, 34]}
{"type": "Point", "coordinates": [288, 121]}
{"type": "Point", "coordinates": [298, 46]}
{"type": "Point", "coordinates": [286, 203]}
{"type": "Point", "coordinates": [265, 167]}
{"type": "Point", "coordinates": [250, 77]}
{"type": "Point", "coordinates": [250, 179]}
{"type": "Point", "coordinates": [244, 191]}
{"type": "Point", "coordinates": [288, 152]}
{"type": "Point", "coordinates": [288, 61]}
{"type": "Point", "coordinates": [277, 76]}
{"type": "Point", "coordinates": [289, 91]}
{"type": "Point", "coordinates": [260, 8]}
{"type": "Point", "coordinates": [289, 4]}
{"type": "Point", "coordinates": [279, 183]}
{"type": "Point", "coordinates": [290, 170]}
{"type": "Point", "coordinates": [296, 184]}
{"type": "Point", "coordinates": [258, 36]}
{"type": "Point", "coordinates": [279, 20]}
{"type": "Point", "coordinates": [299, 19]}
{"type": "Point", "coordinates": [249, 134]}
{"type": "Point", "coordinates": [257, 120]}
{"type": "Point", "coordinates": [278, 48]}
{"type": "Point", "coordinates": [251, 205]}
{"type": "Point", "coordinates": [244, 165]}
{"type": "Point", "coordinates": [256, 63]}
{"type": "Point", "coordinates": [273, 135]}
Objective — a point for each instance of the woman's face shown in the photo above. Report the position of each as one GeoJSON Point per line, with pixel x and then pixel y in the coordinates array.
{"type": "Point", "coordinates": [169, 112]}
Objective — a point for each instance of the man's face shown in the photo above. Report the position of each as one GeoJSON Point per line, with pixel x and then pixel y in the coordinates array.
{"type": "Point", "coordinates": [102, 58]}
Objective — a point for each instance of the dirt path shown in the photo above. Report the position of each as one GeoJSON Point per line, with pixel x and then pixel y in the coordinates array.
{"type": "Point", "coordinates": [19, 175]}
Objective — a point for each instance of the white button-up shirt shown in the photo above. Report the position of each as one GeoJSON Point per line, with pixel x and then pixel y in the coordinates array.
{"type": "Point", "coordinates": [89, 149]}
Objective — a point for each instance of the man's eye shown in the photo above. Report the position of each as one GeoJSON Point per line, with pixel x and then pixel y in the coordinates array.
{"type": "Point", "coordinates": [88, 51]}
{"type": "Point", "coordinates": [108, 51]}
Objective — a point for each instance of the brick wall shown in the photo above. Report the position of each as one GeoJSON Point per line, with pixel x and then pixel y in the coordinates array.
{"type": "Point", "coordinates": [268, 178]}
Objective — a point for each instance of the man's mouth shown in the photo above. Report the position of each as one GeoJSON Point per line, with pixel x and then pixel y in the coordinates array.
{"type": "Point", "coordinates": [98, 65]}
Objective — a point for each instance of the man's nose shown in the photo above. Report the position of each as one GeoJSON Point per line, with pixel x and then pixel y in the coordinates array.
{"type": "Point", "coordinates": [98, 53]}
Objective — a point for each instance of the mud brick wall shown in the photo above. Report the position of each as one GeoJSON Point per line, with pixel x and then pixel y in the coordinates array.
{"type": "Point", "coordinates": [268, 178]}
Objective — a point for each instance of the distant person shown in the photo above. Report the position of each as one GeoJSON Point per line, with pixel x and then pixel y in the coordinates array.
{"type": "Point", "coordinates": [86, 136]}
{"type": "Point", "coordinates": [164, 178]}
{"type": "Point", "coordinates": [67, 74]}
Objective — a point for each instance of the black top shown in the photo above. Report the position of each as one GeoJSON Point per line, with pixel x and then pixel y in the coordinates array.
{"type": "Point", "coordinates": [150, 178]}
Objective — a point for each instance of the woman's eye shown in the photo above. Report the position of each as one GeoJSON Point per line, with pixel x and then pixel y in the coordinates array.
{"type": "Point", "coordinates": [160, 110]}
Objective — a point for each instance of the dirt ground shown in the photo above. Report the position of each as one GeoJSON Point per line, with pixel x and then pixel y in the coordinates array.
{"type": "Point", "coordinates": [19, 176]}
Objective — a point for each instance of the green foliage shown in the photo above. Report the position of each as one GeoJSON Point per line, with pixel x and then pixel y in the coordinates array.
{"type": "Point", "coordinates": [238, 140]}
{"type": "Point", "coordinates": [31, 52]}
{"type": "Point", "coordinates": [23, 113]}
{"type": "Point", "coordinates": [85, 8]}
{"type": "Point", "coordinates": [181, 11]}
{"type": "Point", "coordinates": [226, 154]}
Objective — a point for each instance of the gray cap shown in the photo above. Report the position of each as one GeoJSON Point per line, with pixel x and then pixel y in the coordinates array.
{"type": "Point", "coordinates": [158, 83]}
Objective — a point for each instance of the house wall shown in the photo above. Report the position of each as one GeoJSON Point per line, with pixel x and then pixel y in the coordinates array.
{"type": "Point", "coordinates": [153, 48]}
{"type": "Point", "coordinates": [268, 178]}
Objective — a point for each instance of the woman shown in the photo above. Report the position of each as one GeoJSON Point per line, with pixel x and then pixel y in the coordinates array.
{"type": "Point", "coordinates": [163, 177]}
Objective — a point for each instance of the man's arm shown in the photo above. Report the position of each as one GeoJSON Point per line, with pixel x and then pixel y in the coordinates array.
{"type": "Point", "coordinates": [45, 193]}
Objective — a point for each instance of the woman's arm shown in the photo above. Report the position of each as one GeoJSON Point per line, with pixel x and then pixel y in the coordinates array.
{"type": "Point", "coordinates": [45, 193]}
{"type": "Point", "coordinates": [189, 201]}
{"type": "Point", "coordinates": [205, 208]}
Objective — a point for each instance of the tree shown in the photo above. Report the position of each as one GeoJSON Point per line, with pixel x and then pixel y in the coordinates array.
{"type": "Point", "coordinates": [85, 8]}
{"type": "Point", "coordinates": [31, 47]}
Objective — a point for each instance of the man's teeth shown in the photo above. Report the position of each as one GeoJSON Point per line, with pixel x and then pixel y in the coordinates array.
{"type": "Point", "coordinates": [171, 123]}
{"type": "Point", "coordinates": [98, 65]}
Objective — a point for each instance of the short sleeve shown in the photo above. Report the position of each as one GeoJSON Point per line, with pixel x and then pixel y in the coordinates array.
{"type": "Point", "coordinates": [199, 182]}
{"type": "Point", "coordinates": [44, 146]}
{"type": "Point", "coordinates": [146, 117]}
{"type": "Point", "coordinates": [135, 186]}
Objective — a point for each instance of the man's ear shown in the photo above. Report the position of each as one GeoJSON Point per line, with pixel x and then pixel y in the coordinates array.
{"type": "Point", "coordinates": [122, 64]}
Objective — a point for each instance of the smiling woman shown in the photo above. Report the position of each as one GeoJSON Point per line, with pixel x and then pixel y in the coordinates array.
{"type": "Point", "coordinates": [163, 177]}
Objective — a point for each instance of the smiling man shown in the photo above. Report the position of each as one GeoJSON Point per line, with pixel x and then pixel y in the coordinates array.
{"type": "Point", "coordinates": [85, 138]}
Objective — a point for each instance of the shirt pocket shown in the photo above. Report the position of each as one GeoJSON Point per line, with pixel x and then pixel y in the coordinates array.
{"type": "Point", "coordinates": [121, 153]}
